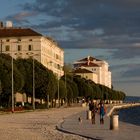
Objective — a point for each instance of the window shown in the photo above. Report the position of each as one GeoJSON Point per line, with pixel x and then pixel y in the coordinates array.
{"type": "Point", "coordinates": [19, 40]}
{"type": "Point", "coordinates": [7, 40]}
{"type": "Point", "coordinates": [30, 47]}
{"type": "Point", "coordinates": [19, 47]}
{"type": "Point", "coordinates": [57, 56]}
{"type": "Point", "coordinates": [7, 48]}
{"type": "Point", "coordinates": [94, 69]}
{"type": "Point", "coordinates": [31, 57]}
{"type": "Point", "coordinates": [30, 39]}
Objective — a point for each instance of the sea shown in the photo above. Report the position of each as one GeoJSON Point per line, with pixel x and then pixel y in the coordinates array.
{"type": "Point", "coordinates": [131, 115]}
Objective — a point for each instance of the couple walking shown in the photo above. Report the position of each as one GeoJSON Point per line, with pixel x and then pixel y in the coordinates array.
{"type": "Point", "coordinates": [94, 109]}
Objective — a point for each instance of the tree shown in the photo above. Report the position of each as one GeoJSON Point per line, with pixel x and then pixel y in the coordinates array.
{"type": "Point", "coordinates": [6, 79]}
{"type": "Point", "coordinates": [45, 81]}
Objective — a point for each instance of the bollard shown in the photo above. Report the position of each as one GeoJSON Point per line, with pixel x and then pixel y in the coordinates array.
{"type": "Point", "coordinates": [89, 115]}
{"type": "Point", "coordinates": [114, 122]}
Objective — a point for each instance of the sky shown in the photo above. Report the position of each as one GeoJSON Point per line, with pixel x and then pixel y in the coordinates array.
{"type": "Point", "coordinates": [105, 29]}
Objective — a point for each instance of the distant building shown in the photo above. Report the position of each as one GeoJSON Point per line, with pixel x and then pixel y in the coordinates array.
{"type": "Point", "coordinates": [25, 43]}
{"type": "Point", "coordinates": [93, 69]}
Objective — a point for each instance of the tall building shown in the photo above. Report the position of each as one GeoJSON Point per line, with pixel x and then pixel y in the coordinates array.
{"type": "Point", "coordinates": [25, 42]}
{"type": "Point", "coordinates": [93, 69]}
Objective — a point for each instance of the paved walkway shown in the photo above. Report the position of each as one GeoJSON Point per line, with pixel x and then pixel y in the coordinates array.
{"type": "Point", "coordinates": [97, 131]}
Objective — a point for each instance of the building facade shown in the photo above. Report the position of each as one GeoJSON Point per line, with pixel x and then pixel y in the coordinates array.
{"type": "Point", "coordinates": [25, 43]}
{"type": "Point", "coordinates": [97, 67]}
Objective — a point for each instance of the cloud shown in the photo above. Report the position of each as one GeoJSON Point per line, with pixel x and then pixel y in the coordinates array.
{"type": "Point", "coordinates": [82, 24]}
{"type": "Point", "coordinates": [133, 71]}
{"type": "Point", "coordinates": [20, 18]}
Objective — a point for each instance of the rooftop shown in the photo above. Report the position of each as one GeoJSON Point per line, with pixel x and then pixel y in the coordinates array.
{"type": "Point", "coordinates": [17, 32]}
{"type": "Point", "coordinates": [82, 71]}
{"type": "Point", "coordinates": [89, 58]}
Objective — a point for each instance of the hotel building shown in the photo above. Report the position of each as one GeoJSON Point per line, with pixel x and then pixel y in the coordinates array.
{"type": "Point", "coordinates": [93, 69]}
{"type": "Point", "coordinates": [25, 43]}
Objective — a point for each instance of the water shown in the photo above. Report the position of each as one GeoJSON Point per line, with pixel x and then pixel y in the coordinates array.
{"type": "Point", "coordinates": [131, 115]}
{"type": "Point", "coordinates": [132, 99]}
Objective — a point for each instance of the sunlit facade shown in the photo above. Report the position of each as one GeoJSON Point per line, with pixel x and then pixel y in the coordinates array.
{"type": "Point", "coordinates": [25, 43]}
{"type": "Point", "coordinates": [97, 67]}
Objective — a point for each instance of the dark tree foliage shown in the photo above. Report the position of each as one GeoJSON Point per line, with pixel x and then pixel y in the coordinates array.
{"type": "Point", "coordinates": [89, 89]}
{"type": "Point", "coordinates": [45, 81]}
{"type": "Point", "coordinates": [72, 86]}
{"type": "Point", "coordinates": [62, 89]}
{"type": "Point", "coordinates": [6, 79]}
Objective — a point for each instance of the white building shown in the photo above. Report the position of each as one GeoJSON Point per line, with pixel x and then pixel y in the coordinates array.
{"type": "Point", "coordinates": [25, 43]}
{"type": "Point", "coordinates": [96, 67]}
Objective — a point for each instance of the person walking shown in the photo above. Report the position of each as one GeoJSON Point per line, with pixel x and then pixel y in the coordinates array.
{"type": "Point", "coordinates": [92, 108]}
{"type": "Point", "coordinates": [93, 113]}
{"type": "Point", "coordinates": [102, 112]}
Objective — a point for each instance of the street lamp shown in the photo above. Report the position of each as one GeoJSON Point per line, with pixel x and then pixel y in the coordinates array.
{"type": "Point", "coordinates": [12, 84]}
{"type": "Point", "coordinates": [1, 47]}
{"type": "Point", "coordinates": [0, 89]}
{"type": "Point", "coordinates": [33, 85]}
{"type": "Point", "coordinates": [50, 62]}
{"type": "Point", "coordinates": [65, 85]}
{"type": "Point", "coordinates": [33, 70]}
{"type": "Point", "coordinates": [58, 93]}
{"type": "Point", "coordinates": [58, 85]}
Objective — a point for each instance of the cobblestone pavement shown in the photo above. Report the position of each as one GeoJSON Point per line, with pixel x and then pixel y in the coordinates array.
{"type": "Point", "coordinates": [41, 125]}
{"type": "Point", "coordinates": [37, 125]}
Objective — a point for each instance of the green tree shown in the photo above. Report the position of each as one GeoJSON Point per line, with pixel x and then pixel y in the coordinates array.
{"type": "Point", "coordinates": [45, 81]}
{"type": "Point", "coordinates": [6, 79]}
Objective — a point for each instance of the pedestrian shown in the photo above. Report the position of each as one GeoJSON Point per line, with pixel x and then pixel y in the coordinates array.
{"type": "Point", "coordinates": [90, 105]}
{"type": "Point", "coordinates": [102, 112]}
{"type": "Point", "coordinates": [93, 113]}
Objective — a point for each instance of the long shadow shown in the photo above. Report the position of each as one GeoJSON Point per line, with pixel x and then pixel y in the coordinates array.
{"type": "Point", "coordinates": [59, 127]}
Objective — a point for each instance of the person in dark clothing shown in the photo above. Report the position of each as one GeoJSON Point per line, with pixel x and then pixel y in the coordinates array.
{"type": "Point", "coordinates": [102, 113]}
{"type": "Point", "coordinates": [93, 113]}
{"type": "Point", "coordinates": [90, 105]}
{"type": "Point", "coordinates": [92, 108]}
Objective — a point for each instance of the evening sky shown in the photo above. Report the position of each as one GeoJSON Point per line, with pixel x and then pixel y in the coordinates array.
{"type": "Point", "coordinates": [105, 29]}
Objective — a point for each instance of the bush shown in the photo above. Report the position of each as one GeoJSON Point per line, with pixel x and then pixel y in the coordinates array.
{"type": "Point", "coordinates": [28, 106]}
{"type": "Point", "coordinates": [41, 106]}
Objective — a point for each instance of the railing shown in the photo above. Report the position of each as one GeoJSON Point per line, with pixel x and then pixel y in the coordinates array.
{"type": "Point", "coordinates": [114, 115]}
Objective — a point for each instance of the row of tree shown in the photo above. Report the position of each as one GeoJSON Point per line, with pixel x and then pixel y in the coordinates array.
{"type": "Point", "coordinates": [71, 87]}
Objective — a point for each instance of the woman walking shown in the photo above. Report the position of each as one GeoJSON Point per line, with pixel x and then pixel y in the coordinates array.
{"type": "Point", "coordinates": [102, 113]}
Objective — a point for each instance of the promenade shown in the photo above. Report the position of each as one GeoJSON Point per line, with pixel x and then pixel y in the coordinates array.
{"type": "Point", "coordinates": [61, 124]}
{"type": "Point", "coordinates": [97, 131]}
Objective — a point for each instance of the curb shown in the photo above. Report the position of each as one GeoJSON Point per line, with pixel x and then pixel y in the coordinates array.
{"type": "Point", "coordinates": [59, 127]}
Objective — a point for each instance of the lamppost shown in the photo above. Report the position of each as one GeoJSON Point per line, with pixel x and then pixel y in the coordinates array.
{"type": "Point", "coordinates": [0, 88]}
{"type": "Point", "coordinates": [33, 85]}
{"type": "Point", "coordinates": [33, 79]}
{"type": "Point", "coordinates": [50, 62]}
{"type": "Point", "coordinates": [12, 83]}
{"type": "Point", "coordinates": [58, 93]}
{"type": "Point", "coordinates": [1, 46]}
{"type": "Point", "coordinates": [0, 92]}
{"type": "Point", "coordinates": [58, 85]}
{"type": "Point", "coordinates": [66, 87]}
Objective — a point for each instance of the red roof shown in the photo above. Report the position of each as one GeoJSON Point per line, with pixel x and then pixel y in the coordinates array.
{"type": "Point", "coordinates": [89, 58]}
{"type": "Point", "coordinates": [82, 71]}
{"type": "Point", "coordinates": [17, 32]}
{"type": "Point", "coordinates": [90, 64]}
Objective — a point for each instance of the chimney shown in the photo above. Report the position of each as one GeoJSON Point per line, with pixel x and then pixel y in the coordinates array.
{"type": "Point", "coordinates": [1, 24]}
{"type": "Point", "coordinates": [9, 24]}
{"type": "Point", "coordinates": [88, 59]}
